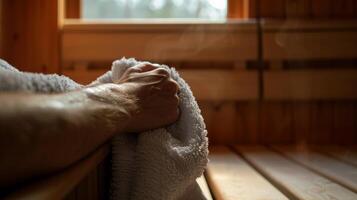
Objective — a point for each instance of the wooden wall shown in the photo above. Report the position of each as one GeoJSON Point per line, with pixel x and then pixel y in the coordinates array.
{"type": "Point", "coordinates": [308, 9]}
{"type": "Point", "coordinates": [31, 35]}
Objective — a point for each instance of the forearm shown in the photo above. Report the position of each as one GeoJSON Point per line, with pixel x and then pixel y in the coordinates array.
{"type": "Point", "coordinates": [44, 133]}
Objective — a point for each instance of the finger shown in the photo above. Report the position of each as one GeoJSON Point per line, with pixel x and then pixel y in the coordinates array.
{"type": "Point", "coordinates": [145, 67]}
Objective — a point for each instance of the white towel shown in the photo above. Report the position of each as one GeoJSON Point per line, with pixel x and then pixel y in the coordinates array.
{"type": "Point", "coordinates": [157, 164]}
{"type": "Point", "coordinates": [162, 163]}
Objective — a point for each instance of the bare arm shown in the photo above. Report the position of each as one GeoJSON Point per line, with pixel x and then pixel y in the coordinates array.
{"type": "Point", "coordinates": [44, 133]}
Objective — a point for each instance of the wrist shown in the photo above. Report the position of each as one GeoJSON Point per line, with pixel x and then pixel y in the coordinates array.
{"type": "Point", "coordinates": [111, 104]}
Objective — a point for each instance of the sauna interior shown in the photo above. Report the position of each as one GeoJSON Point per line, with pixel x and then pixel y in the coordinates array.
{"type": "Point", "coordinates": [276, 81]}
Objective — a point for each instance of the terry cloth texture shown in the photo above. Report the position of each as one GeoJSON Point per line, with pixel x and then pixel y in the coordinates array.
{"type": "Point", "coordinates": [156, 164]}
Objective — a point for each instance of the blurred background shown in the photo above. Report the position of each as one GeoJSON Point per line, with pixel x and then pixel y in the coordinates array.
{"type": "Point", "coordinates": [263, 71]}
{"type": "Point", "coordinates": [276, 81]}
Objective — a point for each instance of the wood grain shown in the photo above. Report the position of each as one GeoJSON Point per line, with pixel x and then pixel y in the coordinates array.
{"type": "Point", "coordinates": [272, 9]}
{"type": "Point", "coordinates": [276, 123]}
{"type": "Point", "coordinates": [231, 178]}
{"type": "Point", "coordinates": [345, 154]}
{"type": "Point", "coordinates": [294, 180]}
{"type": "Point", "coordinates": [160, 42]}
{"type": "Point", "coordinates": [321, 131]}
{"type": "Point", "coordinates": [62, 183]}
{"type": "Point", "coordinates": [310, 84]}
{"type": "Point", "coordinates": [306, 40]}
{"type": "Point", "coordinates": [298, 8]}
{"type": "Point", "coordinates": [335, 170]}
{"type": "Point", "coordinates": [344, 128]}
{"type": "Point", "coordinates": [30, 37]}
{"type": "Point", "coordinates": [321, 9]}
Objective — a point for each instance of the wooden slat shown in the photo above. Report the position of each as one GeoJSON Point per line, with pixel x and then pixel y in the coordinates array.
{"type": "Point", "coordinates": [298, 8]}
{"type": "Point", "coordinates": [301, 122]}
{"type": "Point", "coordinates": [343, 9]}
{"type": "Point", "coordinates": [204, 187]}
{"type": "Point", "coordinates": [294, 180]}
{"type": "Point", "coordinates": [344, 123]}
{"type": "Point", "coordinates": [272, 9]}
{"type": "Point", "coordinates": [321, 123]}
{"type": "Point", "coordinates": [230, 177]}
{"type": "Point", "coordinates": [276, 123]}
{"type": "Point", "coordinates": [160, 42]}
{"type": "Point", "coordinates": [222, 84]}
{"type": "Point", "coordinates": [310, 84]}
{"type": "Point", "coordinates": [60, 184]}
{"type": "Point", "coordinates": [321, 8]}
{"type": "Point", "coordinates": [247, 122]}
{"type": "Point", "coordinates": [335, 170]}
{"type": "Point", "coordinates": [205, 84]}
{"type": "Point", "coordinates": [307, 40]}
{"type": "Point", "coordinates": [348, 155]}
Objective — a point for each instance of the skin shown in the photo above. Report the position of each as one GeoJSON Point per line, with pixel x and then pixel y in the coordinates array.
{"type": "Point", "coordinates": [43, 133]}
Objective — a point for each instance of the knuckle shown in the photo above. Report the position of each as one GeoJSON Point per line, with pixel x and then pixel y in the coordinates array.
{"type": "Point", "coordinates": [162, 71]}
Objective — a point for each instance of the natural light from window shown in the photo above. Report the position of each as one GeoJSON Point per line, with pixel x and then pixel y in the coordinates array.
{"type": "Point", "coordinates": [143, 9]}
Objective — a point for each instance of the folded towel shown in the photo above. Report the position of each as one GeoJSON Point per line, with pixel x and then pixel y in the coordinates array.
{"type": "Point", "coordinates": [157, 164]}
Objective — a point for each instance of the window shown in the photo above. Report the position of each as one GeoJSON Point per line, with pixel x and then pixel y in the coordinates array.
{"type": "Point", "coordinates": [134, 9]}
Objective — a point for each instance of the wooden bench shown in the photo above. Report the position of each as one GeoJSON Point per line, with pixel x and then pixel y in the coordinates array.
{"type": "Point", "coordinates": [260, 172]}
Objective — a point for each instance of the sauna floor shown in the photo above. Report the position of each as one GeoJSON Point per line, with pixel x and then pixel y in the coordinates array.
{"type": "Point", "coordinates": [281, 172]}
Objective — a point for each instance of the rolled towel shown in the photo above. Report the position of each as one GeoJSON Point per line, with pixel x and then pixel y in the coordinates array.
{"type": "Point", "coordinates": [162, 163]}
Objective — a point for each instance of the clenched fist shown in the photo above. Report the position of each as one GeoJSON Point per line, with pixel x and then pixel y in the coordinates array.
{"type": "Point", "coordinates": [155, 96]}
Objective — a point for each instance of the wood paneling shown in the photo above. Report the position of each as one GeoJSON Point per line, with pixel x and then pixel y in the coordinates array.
{"type": "Point", "coordinates": [344, 129]}
{"type": "Point", "coordinates": [30, 37]}
{"type": "Point", "coordinates": [343, 9]}
{"type": "Point", "coordinates": [159, 42]}
{"type": "Point", "coordinates": [73, 9]}
{"type": "Point", "coordinates": [272, 8]}
{"type": "Point", "coordinates": [310, 84]}
{"type": "Point", "coordinates": [321, 8]}
{"type": "Point", "coordinates": [276, 123]}
{"type": "Point", "coordinates": [298, 8]}
{"type": "Point", "coordinates": [297, 40]}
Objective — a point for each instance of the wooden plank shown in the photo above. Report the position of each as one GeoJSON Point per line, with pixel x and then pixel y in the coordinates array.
{"type": "Point", "coordinates": [204, 187]}
{"type": "Point", "coordinates": [30, 35]}
{"type": "Point", "coordinates": [301, 39]}
{"type": "Point", "coordinates": [222, 84]}
{"type": "Point", "coordinates": [321, 8]}
{"type": "Point", "coordinates": [73, 9]}
{"type": "Point", "coordinates": [224, 125]}
{"type": "Point", "coordinates": [344, 123]}
{"type": "Point", "coordinates": [343, 9]}
{"type": "Point", "coordinates": [276, 123]}
{"type": "Point", "coordinates": [346, 154]}
{"type": "Point", "coordinates": [59, 185]}
{"type": "Point", "coordinates": [272, 8]}
{"type": "Point", "coordinates": [310, 84]}
{"type": "Point", "coordinates": [230, 177]}
{"type": "Point", "coordinates": [247, 122]}
{"type": "Point", "coordinates": [298, 8]}
{"type": "Point", "coordinates": [294, 180]}
{"type": "Point", "coordinates": [205, 84]}
{"type": "Point", "coordinates": [321, 123]}
{"type": "Point", "coordinates": [235, 9]}
{"type": "Point", "coordinates": [160, 42]}
{"type": "Point", "coordinates": [333, 169]}
{"type": "Point", "coordinates": [301, 122]}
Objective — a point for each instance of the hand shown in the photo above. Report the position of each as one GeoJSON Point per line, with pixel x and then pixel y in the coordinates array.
{"type": "Point", "coordinates": [155, 95]}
